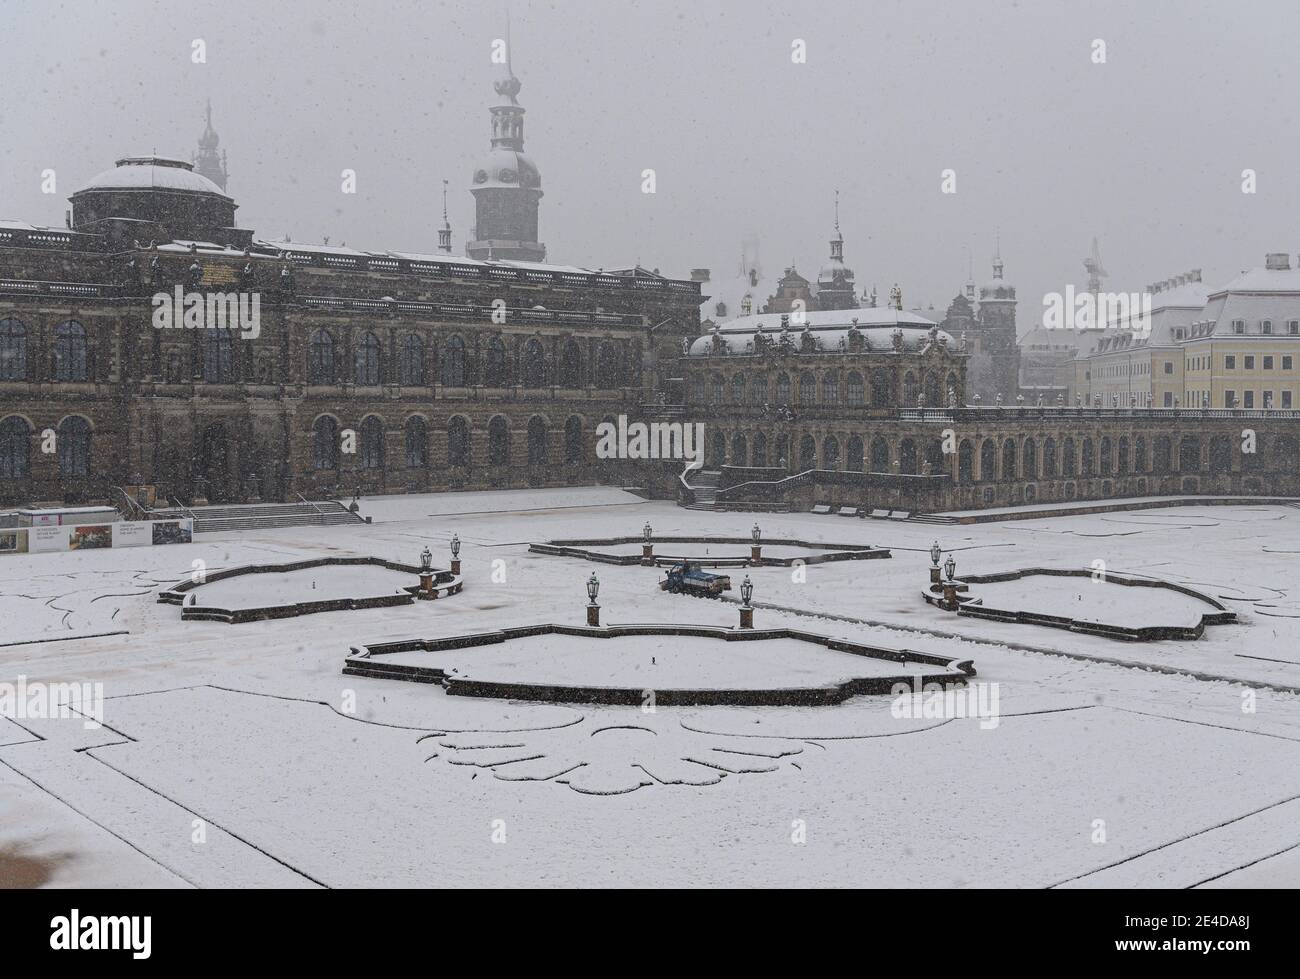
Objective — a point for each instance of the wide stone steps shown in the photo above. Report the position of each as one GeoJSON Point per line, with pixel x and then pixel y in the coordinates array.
{"type": "Point", "coordinates": [261, 516]}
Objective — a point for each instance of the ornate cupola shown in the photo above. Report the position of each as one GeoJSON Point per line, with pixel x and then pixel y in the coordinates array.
{"type": "Point", "coordinates": [507, 185]}
{"type": "Point", "coordinates": [835, 285]}
{"type": "Point", "coordinates": [207, 161]}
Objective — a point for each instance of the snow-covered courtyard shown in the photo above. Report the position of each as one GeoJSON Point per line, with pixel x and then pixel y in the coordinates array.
{"type": "Point", "coordinates": [242, 756]}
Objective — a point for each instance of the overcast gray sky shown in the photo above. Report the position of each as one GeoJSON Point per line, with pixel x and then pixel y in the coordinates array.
{"type": "Point", "coordinates": [1146, 151]}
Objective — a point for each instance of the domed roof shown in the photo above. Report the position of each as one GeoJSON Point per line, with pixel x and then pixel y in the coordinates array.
{"type": "Point", "coordinates": [503, 167]}
{"type": "Point", "coordinates": [152, 173]}
{"type": "Point", "coordinates": [997, 289]}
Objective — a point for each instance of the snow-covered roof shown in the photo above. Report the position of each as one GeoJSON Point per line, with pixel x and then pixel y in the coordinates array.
{"type": "Point", "coordinates": [152, 172]}
{"type": "Point", "coordinates": [827, 327]}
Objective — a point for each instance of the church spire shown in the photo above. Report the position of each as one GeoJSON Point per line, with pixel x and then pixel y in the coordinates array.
{"type": "Point", "coordinates": [444, 233]}
{"type": "Point", "coordinates": [207, 161]}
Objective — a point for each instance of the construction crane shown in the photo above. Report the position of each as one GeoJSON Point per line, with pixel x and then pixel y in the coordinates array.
{"type": "Point", "coordinates": [1093, 266]}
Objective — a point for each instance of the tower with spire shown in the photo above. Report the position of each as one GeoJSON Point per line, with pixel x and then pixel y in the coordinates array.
{"type": "Point", "coordinates": [208, 161]}
{"type": "Point", "coordinates": [444, 233]}
{"type": "Point", "coordinates": [507, 186]}
{"type": "Point", "coordinates": [994, 367]}
{"type": "Point", "coordinates": [835, 285]}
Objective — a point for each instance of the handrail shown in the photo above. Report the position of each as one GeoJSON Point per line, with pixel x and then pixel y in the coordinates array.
{"type": "Point", "coordinates": [132, 505]}
{"type": "Point", "coordinates": [319, 512]}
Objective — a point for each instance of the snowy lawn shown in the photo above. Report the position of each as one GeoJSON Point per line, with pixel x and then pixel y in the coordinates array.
{"type": "Point", "coordinates": [321, 584]}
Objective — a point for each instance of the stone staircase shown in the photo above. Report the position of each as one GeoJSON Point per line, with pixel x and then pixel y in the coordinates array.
{"type": "Point", "coordinates": [261, 516]}
{"type": "Point", "coordinates": [932, 518]}
{"type": "Point", "coordinates": [705, 486]}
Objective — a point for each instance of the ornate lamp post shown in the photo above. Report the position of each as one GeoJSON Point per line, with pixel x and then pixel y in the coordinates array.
{"type": "Point", "coordinates": [746, 610]}
{"type": "Point", "coordinates": [647, 546]}
{"type": "Point", "coordinates": [756, 549]}
{"type": "Point", "coordinates": [936, 552]}
{"type": "Point", "coordinates": [593, 610]}
{"type": "Point", "coordinates": [950, 586]}
{"type": "Point", "coordinates": [426, 573]}
{"type": "Point", "coordinates": [455, 554]}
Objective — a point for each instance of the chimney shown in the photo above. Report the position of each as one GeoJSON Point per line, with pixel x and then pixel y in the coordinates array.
{"type": "Point", "coordinates": [699, 275]}
{"type": "Point", "coordinates": [1277, 261]}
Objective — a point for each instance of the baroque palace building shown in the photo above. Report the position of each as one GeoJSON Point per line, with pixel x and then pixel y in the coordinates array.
{"type": "Point", "coordinates": [377, 371]}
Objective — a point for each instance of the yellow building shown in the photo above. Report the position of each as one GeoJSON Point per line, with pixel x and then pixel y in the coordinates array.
{"type": "Point", "coordinates": [1243, 350]}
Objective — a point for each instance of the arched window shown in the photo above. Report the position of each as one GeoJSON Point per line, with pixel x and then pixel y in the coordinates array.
{"type": "Point", "coordinates": [807, 388]}
{"type": "Point", "coordinates": [738, 389]}
{"type": "Point", "coordinates": [758, 390]}
{"type": "Point", "coordinates": [1106, 461]}
{"type": "Point", "coordinates": [372, 443]}
{"type": "Point", "coordinates": [573, 440]}
{"type": "Point", "coordinates": [417, 443]}
{"type": "Point", "coordinates": [831, 388]}
{"type": "Point", "coordinates": [907, 457]}
{"type": "Point", "coordinates": [13, 350]}
{"type": "Point", "coordinates": [830, 452]}
{"type": "Point", "coordinates": [854, 389]}
{"type": "Point", "coordinates": [782, 451]}
{"type": "Point", "coordinates": [74, 447]}
{"type": "Point", "coordinates": [320, 358]}
{"type": "Point", "coordinates": [716, 454]}
{"type": "Point", "coordinates": [453, 363]}
{"type": "Point", "coordinates": [783, 389]}
{"type": "Point", "coordinates": [880, 388]}
{"type": "Point", "coordinates": [367, 366]}
{"type": "Point", "coordinates": [571, 364]}
{"type": "Point", "coordinates": [909, 390]}
{"type": "Point", "coordinates": [699, 393]}
{"type": "Point", "coordinates": [1089, 465]}
{"type": "Point", "coordinates": [807, 453]}
{"type": "Point", "coordinates": [458, 454]}
{"type": "Point", "coordinates": [988, 461]}
{"type": "Point", "coordinates": [879, 455]}
{"type": "Point", "coordinates": [853, 460]}
{"type": "Point", "coordinates": [325, 443]}
{"type": "Point", "coordinates": [533, 367]}
{"type": "Point", "coordinates": [218, 357]}
{"type": "Point", "coordinates": [1009, 459]}
{"type": "Point", "coordinates": [760, 450]}
{"type": "Point", "coordinates": [495, 373]}
{"type": "Point", "coordinates": [609, 372]}
{"type": "Point", "coordinates": [1030, 453]}
{"type": "Point", "coordinates": [1049, 459]}
{"type": "Point", "coordinates": [70, 352]}
{"type": "Point", "coordinates": [15, 448]}
{"type": "Point", "coordinates": [537, 453]}
{"type": "Point", "coordinates": [412, 368]}
{"type": "Point", "coordinates": [498, 442]}
{"type": "Point", "coordinates": [739, 450]}
{"type": "Point", "coordinates": [717, 389]}
{"type": "Point", "coordinates": [1068, 458]}
{"type": "Point", "coordinates": [1139, 455]}
{"type": "Point", "coordinates": [966, 462]}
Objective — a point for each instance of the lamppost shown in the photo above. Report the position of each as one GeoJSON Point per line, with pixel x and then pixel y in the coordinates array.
{"type": "Point", "coordinates": [936, 552]}
{"type": "Point", "coordinates": [950, 586]}
{"type": "Point", "coordinates": [455, 554]}
{"type": "Point", "coordinates": [593, 610]}
{"type": "Point", "coordinates": [647, 547]}
{"type": "Point", "coordinates": [747, 609]}
{"type": "Point", "coordinates": [756, 549]}
{"type": "Point", "coordinates": [426, 573]}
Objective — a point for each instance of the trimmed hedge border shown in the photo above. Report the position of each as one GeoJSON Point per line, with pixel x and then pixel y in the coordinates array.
{"type": "Point", "coordinates": [445, 583]}
{"type": "Point", "coordinates": [835, 552]}
{"type": "Point", "coordinates": [972, 605]}
{"type": "Point", "coordinates": [364, 662]}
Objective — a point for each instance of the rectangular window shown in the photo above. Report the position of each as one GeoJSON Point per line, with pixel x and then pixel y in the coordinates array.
{"type": "Point", "coordinates": [1250, 363]}
{"type": "Point", "coordinates": [1230, 363]}
{"type": "Point", "coordinates": [1229, 398]}
{"type": "Point", "coordinates": [1266, 327]}
{"type": "Point", "coordinates": [1238, 326]}
{"type": "Point", "coordinates": [1293, 327]}
{"type": "Point", "coordinates": [1169, 399]}
{"type": "Point", "coordinates": [1250, 399]}
{"type": "Point", "coordinates": [1286, 399]}
{"type": "Point", "coordinates": [1169, 366]}
{"type": "Point", "coordinates": [1268, 363]}
{"type": "Point", "coordinates": [1286, 362]}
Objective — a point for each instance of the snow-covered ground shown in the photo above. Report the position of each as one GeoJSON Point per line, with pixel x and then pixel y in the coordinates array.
{"type": "Point", "coordinates": [241, 756]}
{"type": "Point", "coordinates": [322, 584]}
